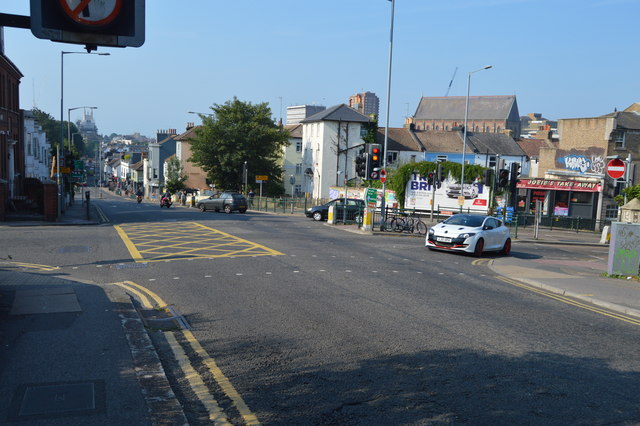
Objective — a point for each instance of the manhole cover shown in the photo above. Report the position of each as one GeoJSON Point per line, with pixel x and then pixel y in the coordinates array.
{"type": "Point", "coordinates": [58, 399]}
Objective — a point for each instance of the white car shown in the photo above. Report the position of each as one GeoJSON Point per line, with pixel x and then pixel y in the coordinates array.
{"type": "Point", "coordinates": [470, 190]}
{"type": "Point", "coordinates": [471, 234]}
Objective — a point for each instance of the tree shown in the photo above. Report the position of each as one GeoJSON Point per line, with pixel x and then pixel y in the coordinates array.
{"type": "Point", "coordinates": [175, 176]}
{"type": "Point", "coordinates": [631, 193]}
{"type": "Point", "coordinates": [237, 132]}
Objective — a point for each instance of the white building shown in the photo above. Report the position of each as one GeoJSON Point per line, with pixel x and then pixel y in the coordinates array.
{"type": "Point", "coordinates": [37, 150]}
{"type": "Point", "coordinates": [331, 139]}
{"type": "Point", "coordinates": [297, 113]}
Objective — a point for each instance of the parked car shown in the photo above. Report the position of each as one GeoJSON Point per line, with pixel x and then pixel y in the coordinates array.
{"type": "Point", "coordinates": [354, 208]}
{"type": "Point", "coordinates": [227, 201]}
{"type": "Point", "coordinates": [470, 190]}
{"type": "Point", "coordinates": [471, 234]}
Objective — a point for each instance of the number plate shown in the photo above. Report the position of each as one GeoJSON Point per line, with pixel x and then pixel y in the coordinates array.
{"type": "Point", "coordinates": [444, 239]}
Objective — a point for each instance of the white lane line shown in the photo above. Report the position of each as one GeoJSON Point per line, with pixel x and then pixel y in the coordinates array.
{"type": "Point", "coordinates": [152, 279]}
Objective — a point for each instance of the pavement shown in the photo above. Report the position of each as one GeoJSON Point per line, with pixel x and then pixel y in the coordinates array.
{"type": "Point", "coordinates": [73, 352]}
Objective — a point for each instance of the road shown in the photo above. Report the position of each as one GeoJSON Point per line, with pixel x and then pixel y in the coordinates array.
{"type": "Point", "coordinates": [315, 325]}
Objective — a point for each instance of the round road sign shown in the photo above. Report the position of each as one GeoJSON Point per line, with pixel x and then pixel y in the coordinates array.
{"type": "Point", "coordinates": [616, 168]}
{"type": "Point", "coordinates": [92, 13]}
{"type": "Point", "coordinates": [383, 175]}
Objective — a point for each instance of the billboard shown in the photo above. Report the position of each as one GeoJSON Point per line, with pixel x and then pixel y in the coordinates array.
{"type": "Point", "coordinates": [419, 194]}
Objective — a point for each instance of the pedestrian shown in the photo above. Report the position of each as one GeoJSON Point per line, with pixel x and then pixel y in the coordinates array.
{"type": "Point", "coordinates": [251, 195]}
{"type": "Point", "coordinates": [184, 197]}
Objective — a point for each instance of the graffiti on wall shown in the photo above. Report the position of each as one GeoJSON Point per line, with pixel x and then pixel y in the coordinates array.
{"type": "Point", "coordinates": [589, 161]}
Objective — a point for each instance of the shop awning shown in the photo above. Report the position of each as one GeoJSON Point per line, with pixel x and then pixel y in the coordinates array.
{"type": "Point", "coordinates": [559, 185]}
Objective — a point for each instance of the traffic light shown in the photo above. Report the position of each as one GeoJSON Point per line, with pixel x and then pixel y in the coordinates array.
{"type": "Point", "coordinates": [430, 178]}
{"type": "Point", "coordinates": [374, 158]}
{"type": "Point", "coordinates": [515, 172]}
{"type": "Point", "coordinates": [440, 176]}
{"type": "Point", "coordinates": [503, 178]}
{"type": "Point", "coordinates": [115, 23]}
{"type": "Point", "coordinates": [488, 177]}
{"type": "Point", "coordinates": [361, 165]}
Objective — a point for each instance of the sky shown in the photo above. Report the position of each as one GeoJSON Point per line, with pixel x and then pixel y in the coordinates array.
{"type": "Point", "coordinates": [561, 58]}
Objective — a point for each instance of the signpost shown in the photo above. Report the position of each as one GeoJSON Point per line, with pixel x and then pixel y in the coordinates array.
{"type": "Point", "coordinates": [383, 175]}
{"type": "Point", "coordinates": [616, 168]}
{"type": "Point", "coordinates": [260, 179]}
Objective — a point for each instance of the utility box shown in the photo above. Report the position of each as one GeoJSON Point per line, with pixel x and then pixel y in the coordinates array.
{"type": "Point", "coordinates": [624, 249]}
{"type": "Point", "coordinates": [630, 212]}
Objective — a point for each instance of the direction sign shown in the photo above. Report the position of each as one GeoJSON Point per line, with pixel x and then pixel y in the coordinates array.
{"type": "Point", "coordinates": [383, 175]}
{"type": "Point", "coordinates": [616, 168]}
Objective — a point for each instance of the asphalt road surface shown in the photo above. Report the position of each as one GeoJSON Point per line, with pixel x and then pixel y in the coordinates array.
{"type": "Point", "coordinates": [315, 325]}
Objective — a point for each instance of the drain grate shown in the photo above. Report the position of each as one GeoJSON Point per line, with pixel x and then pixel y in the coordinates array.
{"type": "Point", "coordinates": [131, 265]}
{"type": "Point", "coordinates": [44, 400]}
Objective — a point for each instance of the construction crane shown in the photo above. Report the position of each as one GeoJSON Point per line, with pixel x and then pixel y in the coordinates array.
{"type": "Point", "coordinates": [451, 82]}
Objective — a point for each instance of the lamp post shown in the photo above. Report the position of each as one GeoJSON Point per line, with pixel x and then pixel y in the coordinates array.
{"type": "Point", "coordinates": [386, 127]}
{"type": "Point", "coordinates": [69, 122]}
{"type": "Point", "coordinates": [62, 53]}
{"type": "Point", "coordinates": [466, 117]}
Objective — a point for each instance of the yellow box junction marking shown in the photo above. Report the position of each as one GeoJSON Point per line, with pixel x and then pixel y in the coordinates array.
{"type": "Point", "coordinates": [157, 242]}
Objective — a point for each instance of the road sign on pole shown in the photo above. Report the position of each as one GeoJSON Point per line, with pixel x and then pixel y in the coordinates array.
{"type": "Point", "coordinates": [616, 168]}
{"type": "Point", "coordinates": [383, 175]}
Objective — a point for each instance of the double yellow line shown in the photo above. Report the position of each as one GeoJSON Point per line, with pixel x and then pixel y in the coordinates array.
{"type": "Point", "coordinates": [150, 300]}
{"type": "Point", "coordinates": [572, 302]}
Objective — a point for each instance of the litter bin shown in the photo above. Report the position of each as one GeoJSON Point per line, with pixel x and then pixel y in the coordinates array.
{"type": "Point", "coordinates": [193, 201]}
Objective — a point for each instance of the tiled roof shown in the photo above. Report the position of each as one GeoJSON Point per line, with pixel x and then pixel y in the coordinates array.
{"type": "Point", "coordinates": [295, 130]}
{"type": "Point", "coordinates": [494, 143]}
{"type": "Point", "coordinates": [189, 134]}
{"type": "Point", "coordinates": [399, 139]}
{"type": "Point", "coordinates": [338, 113]}
{"type": "Point", "coordinates": [453, 107]}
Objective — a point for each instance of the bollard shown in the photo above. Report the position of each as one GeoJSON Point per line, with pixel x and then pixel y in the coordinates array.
{"type": "Point", "coordinates": [87, 197]}
{"type": "Point", "coordinates": [193, 201]}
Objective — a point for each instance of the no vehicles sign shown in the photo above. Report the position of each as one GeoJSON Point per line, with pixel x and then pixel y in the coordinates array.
{"type": "Point", "coordinates": [92, 12]}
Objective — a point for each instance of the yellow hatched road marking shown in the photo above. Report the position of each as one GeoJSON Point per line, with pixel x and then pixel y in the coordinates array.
{"type": "Point", "coordinates": [572, 302]}
{"type": "Point", "coordinates": [185, 240]}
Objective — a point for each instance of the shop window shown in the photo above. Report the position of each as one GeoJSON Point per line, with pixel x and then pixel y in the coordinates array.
{"type": "Point", "coordinates": [581, 197]}
{"type": "Point", "coordinates": [561, 204]}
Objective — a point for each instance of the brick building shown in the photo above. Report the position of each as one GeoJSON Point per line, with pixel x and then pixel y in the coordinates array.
{"type": "Point", "coordinates": [487, 114]}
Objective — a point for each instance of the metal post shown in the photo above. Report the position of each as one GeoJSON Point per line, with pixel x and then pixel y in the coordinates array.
{"type": "Point", "coordinates": [386, 127]}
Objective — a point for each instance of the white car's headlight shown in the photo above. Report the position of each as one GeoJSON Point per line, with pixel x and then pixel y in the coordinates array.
{"type": "Point", "coordinates": [466, 235]}
{"type": "Point", "coordinates": [431, 231]}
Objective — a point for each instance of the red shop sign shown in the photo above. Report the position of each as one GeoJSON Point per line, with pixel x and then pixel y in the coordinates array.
{"type": "Point", "coordinates": [559, 185]}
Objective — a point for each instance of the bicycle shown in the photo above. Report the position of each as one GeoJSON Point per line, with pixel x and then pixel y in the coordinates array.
{"type": "Point", "coordinates": [391, 222]}
{"type": "Point", "coordinates": [411, 224]}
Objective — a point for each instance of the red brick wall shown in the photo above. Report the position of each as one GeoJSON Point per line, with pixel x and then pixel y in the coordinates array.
{"type": "Point", "coordinates": [50, 201]}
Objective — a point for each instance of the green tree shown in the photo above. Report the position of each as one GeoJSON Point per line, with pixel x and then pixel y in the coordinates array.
{"type": "Point", "coordinates": [175, 176]}
{"type": "Point", "coordinates": [631, 192]}
{"type": "Point", "coordinates": [237, 132]}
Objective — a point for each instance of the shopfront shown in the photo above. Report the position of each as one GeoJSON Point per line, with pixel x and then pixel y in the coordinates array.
{"type": "Point", "coordinates": [570, 198]}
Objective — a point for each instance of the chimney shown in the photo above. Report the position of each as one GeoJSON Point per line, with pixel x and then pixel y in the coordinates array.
{"type": "Point", "coordinates": [190, 126]}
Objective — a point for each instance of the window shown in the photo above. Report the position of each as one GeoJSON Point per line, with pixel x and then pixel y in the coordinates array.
{"type": "Point", "coordinates": [441, 158]}
{"type": "Point", "coordinates": [492, 161]}
{"type": "Point", "coordinates": [363, 131]}
{"type": "Point", "coordinates": [611, 212]}
{"type": "Point", "coordinates": [413, 158]}
{"type": "Point", "coordinates": [392, 157]}
{"type": "Point", "coordinates": [299, 168]}
{"type": "Point", "coordinates": [619, 139]}
{"type": "Point", "coordinates": [298, 189]}
{"type": "Point", "coordinates": [298, 146]}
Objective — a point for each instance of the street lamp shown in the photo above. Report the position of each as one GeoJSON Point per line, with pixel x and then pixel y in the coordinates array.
{"type": "Point", "coordinates": [466, 117]}
{"type": "Point", "coordinates": [201, 113]}
{"type": "Point", "coordinates": [61, 144]}
{"type": "Point", "coordinates": [69, 122]}
{"type": "Point", "coordinates": [386, 127]}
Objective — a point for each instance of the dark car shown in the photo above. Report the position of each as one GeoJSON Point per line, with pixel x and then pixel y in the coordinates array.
{"type": "Point", "coordinates": [227, 201]}
{"type": "Point", "coordinates": [354, 208]}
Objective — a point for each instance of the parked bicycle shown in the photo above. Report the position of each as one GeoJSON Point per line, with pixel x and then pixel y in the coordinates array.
{"type": "Point", "coordinates": [411, 224]}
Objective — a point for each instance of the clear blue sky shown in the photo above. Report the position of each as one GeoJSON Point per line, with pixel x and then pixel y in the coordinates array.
{"type": "Point", "coordinates": [562, 58]}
